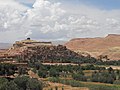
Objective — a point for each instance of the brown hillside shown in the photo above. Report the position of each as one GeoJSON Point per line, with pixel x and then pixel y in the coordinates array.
{"type": "Point", "coordinates": [109, 45]}
{"type": "Point", "coordinates": [27, 50]}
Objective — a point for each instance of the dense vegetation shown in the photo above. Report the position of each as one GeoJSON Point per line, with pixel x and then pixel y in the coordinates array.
{"type": "Point", "coordinates": [21, 83]}
{"type": "Point", "coordinates": [7, 69]}
{"type": "Point", "coordinates": [62, 70]}
{"type": "Point", "coordinates": [7, 81]}
{"type": "Point", "coordinates": [107, 76]}
{"type": "Point", "coordinates": [115, 63]}
{"type": "Point", "coordinates": [77, 72]}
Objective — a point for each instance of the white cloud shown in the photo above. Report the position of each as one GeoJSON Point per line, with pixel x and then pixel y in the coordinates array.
{"type": "Point", "coordinates": [48, 20]}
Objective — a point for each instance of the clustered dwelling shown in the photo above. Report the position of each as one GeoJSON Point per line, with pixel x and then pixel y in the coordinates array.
{"type": "Point", "coordinates": [29, 42]}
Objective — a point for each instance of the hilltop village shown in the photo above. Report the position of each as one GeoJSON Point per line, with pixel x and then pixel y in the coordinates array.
{"type": "Point", "coordinates": [25, 51]}
{"type": "Point", "coordinates": [19, 50]}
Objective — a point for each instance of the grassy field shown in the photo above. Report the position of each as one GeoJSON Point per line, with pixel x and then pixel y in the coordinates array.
{"type": "Point", "coordinates": [60, 86]}
{"type": "Point", "coordinates": [67, 83]}
{"type": "Point", "coordinates": [87, 85]}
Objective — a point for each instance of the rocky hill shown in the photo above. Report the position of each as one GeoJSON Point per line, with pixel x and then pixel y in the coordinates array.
{"type": "Point", "coordinates": [102, 47]}
{"type": "Point", "coordinates": [50, 54]}
{"type": "Point", "coordinates": [31, 50]}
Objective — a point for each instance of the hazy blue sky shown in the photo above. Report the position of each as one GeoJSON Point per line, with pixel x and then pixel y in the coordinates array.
{"type": "Point", "coordinates": [102, 4]}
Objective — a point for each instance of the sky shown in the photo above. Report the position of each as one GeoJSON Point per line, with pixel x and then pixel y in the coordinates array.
{"type": "Point", "coordinates": [102, 4]}
{"type": "Point", "coordinates": [51, 20]}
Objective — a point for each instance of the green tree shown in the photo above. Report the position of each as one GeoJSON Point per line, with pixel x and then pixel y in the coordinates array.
{"type": "Point", "coordinates": [34, 84]}
{"type": "Point", "coordinates": [21, 82]}
{"type": "Point", "coordinates": [42, 73]}
{"type": "Point", "coordinates": [79, 77]}
{"type": "Point", "coordinates": [9, 86]}
{"type": "Point", "coordinates": [53, 73]}
{"type": "Point", "coordinates": [21, 70]}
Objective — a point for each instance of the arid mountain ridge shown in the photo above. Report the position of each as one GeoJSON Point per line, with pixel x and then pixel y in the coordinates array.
{"type": "Point", "coordinates": [108, 46]}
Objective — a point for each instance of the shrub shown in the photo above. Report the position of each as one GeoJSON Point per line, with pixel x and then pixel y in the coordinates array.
{"type": "Point", "coordinates": [116, 82]}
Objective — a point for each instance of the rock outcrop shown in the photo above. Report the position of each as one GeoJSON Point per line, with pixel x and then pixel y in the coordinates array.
{"type": "Point", "coordinates": [102, 47]}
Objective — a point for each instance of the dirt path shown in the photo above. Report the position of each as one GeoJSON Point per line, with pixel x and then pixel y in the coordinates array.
{"type": "Point", "coordinates": [64, 64]}
{"type": "Point", "coordinates": [34, 75]}
{"type": "Point", "coordinates": [114, 67]}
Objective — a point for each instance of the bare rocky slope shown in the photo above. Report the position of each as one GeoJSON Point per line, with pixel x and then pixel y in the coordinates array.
{"type": "Point", "coordinates": [104, 47]}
